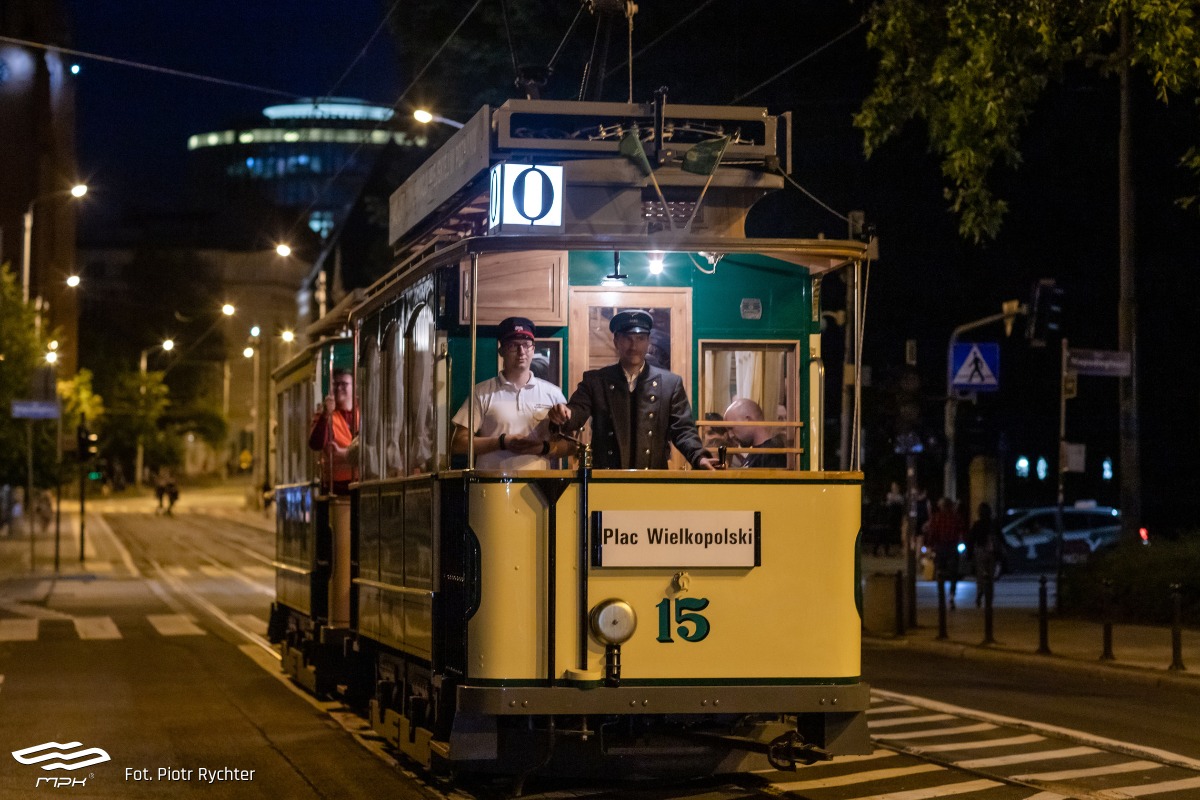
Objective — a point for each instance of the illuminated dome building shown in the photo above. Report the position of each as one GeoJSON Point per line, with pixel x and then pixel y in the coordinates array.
{"type": "Point", "coordinates": [311, 157]}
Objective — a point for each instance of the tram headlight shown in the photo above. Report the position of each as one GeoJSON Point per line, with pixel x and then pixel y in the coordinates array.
{"type": "Point", "coordinates": [613, 621]}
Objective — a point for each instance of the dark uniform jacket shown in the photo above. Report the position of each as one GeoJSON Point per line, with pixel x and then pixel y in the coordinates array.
{"type": "Point", "coordinates": [632, 430]}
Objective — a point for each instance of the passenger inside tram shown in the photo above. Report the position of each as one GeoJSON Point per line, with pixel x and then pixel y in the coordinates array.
{"type": "Point", "coordinates": [748, 412]}
{"type": "Point", "coordinates": [333, 430]}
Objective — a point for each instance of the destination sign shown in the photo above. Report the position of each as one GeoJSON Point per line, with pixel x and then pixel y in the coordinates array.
{"type": "Point", "coordinates": [676, 538]}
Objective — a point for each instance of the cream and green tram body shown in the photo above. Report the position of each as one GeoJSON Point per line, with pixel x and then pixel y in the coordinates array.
{"type": "Point", "coordinates": [575, 619]}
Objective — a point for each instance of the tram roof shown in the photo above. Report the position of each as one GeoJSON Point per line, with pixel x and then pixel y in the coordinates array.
{"type": "Point", "coordinates": [612, 203]}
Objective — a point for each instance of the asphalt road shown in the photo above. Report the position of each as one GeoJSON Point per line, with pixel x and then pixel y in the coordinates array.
{"type": "Point", "coordinates": [167, 672]}
{"type": "Point", "coordinates": [161, 662]}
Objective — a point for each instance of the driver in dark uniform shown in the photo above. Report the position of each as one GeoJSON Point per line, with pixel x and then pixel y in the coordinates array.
{"type": "Point", "coordinates": [637, 410]}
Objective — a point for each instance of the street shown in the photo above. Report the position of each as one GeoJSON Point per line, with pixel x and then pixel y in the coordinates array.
{"type": "Point", "coordinates": [166, 670]}
{"type": "Point", "coordinates": [155, 656]}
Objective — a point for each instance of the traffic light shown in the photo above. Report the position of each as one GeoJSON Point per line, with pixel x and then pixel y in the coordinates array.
{"type": "Point", "coordinates": [1045, 312]}
{"type": "Point", "coordinates": [87, 442]}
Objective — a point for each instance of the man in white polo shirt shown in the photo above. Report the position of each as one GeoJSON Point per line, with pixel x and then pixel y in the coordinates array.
{"type": "Point", "coordinates": [511, 430]}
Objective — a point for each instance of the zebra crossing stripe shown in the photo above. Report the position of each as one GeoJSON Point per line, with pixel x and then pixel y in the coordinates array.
{"type": "Point", "coordinates": [1072, 774]}
{"type": "Point", "coordinates": [1024, 758]}
{"type": "Point", "coordinates": [893, 723]}
{"type": "Point", "coordinates": [174, 625]}
{"type": "Point", "coordinates": [982, 744]}
{"type": "Point", "coordinates": [18, 630]}
{"type": "Point", "coordinates": [983, 726]}
{"type": "Point", "coordinates": [948, 790]}
{"type": "Point", "coordinates": [890, 709]}
{"type": "Point", "coordinates": [96, 628]}
{"type": "Point", "coordinates": [1145, 790]}
{"type": "Point", "coordinates": [856, 777]}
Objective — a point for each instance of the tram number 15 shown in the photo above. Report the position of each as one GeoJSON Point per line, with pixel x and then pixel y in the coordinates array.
{"type": "Point", "coordinates": [693, 627]}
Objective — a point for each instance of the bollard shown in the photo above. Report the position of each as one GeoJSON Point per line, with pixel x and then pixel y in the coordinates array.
{"type": "Point", "coordinates": [899, 603]}
{"type": "Point", "coordinates": [1043, 619]}
{"type": "Point", "coordinates": [989, 590]}
{"type": "Point", "coordinates": [1176, 629]}
{"type": "Point", "coordinates": [941, 584]}
{"type": "Point", "coordinates": [1107, 598]}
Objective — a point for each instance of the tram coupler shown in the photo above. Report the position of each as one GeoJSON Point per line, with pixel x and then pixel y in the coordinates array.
{"type": "Point", "coordinates": [612, 665]}
{"type": "Point", "coordinates": [785, 751]}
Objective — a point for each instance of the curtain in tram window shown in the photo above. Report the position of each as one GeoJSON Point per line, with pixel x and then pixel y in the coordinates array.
{"type": "Point", "coordinates": [422, 417]}
{"type": "Point", "coordinates": [750, 375]}
{"type": "Point", "coordinates": [370, 436]}
{"type": "Point", "coordinates": [394, 399]}
{"type": "Point", "coordinates": [718, 393]}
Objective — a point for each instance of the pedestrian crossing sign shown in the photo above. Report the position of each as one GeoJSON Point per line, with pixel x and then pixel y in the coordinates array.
{"type": "Point", "coordinates": [975, 366]}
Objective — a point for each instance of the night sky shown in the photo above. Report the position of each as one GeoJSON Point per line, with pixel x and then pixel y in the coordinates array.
{"type": "Point", "coordinates": [134, 125]}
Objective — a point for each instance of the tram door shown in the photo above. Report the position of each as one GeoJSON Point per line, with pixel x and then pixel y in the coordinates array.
{"type": "Point", "coordinates": [591, 345]}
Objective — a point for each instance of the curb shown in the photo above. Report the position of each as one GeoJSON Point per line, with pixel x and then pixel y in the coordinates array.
{"type": "Point", "coordinates": [1144, 676]}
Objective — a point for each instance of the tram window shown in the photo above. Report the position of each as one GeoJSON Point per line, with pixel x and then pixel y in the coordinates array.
{"type": "Point", "coordinates": [764, 373]}
{"type": "Point", "coordinates": [371, 389]}
{"type": "Point", "coordinates": [421, 401]}
{"type": "Point", "coordinates": [393, 382]}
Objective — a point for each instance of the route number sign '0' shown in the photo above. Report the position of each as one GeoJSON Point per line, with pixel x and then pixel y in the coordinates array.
{"type": "Point", "coordinates": [525, 198]}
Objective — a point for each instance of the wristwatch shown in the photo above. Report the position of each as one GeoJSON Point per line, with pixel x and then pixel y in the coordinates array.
{"type": "Point", "coordinates": [501, 441]}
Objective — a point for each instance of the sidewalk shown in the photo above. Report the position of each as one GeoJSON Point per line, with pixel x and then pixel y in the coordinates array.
{"type": "Point", "coordinates": [22, 559]}
{"type": "Point", "coordinates": [1141, 652]}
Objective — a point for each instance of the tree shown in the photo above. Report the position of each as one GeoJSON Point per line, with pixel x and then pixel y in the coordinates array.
{"type": "Point", "coordinates": [78, 398]}
{"type": "Point", "coordinates": [20, 353]}
{"type": "Point", "coordinates": [138, 404]}
{"type": "Point", "coordinates": [972, 71]}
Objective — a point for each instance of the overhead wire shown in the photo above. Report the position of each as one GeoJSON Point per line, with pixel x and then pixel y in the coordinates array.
{"type": "Point", "coordinates": [395, 107]}
{"type": "Point", "coordinates": [124, 62]}
{"type": "Point", "coordinates": [797, 63]}
{"type": "Point", "coordinates": [512, 51]}
{"type": "Point", "coordinates": [362, 52]}
{"type": "Point", "coordinates": [661, 36]}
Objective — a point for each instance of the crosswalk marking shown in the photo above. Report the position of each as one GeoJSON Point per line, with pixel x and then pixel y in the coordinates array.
{"type": "Point", "coordinates": [256, 571]}
{"type": "Point", "coordinates": [1023, 758]}
{"type": "Point", "coordinates": [892, 723]}
{"type": "Point", "coordinates": [211, 571]}
{"type": "Point", "coordinates": [948, 790]}
{"type": "Point", "coordinates": [96, 628]}
{"type": "Point", "coordinates": [174, 625]}
{"type": "Point", "coordinates": [890, 709]}
{"type": "Point", "coordinates": [18, 630]}
{"type": "Point", "coordinates": [856, 777]}
{"type": "Point", "coordinates": [1145, 790]}
{"type": "Point", "coordinates": [983, 726]}
{"type": "Point", "coordinates": [251, 623]}
{"type": "Point", "coordinates": [178, 572]}
{"type": "Point", "coordinates": [1072, 774]}
{"type": "Point", "coordinates": [982, 744]}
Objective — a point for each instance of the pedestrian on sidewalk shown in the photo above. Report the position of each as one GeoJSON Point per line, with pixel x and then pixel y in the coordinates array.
{"type": "Point", "coordinates": [944, 533]}
{"type": "Point", "coordinates": [984, 541]}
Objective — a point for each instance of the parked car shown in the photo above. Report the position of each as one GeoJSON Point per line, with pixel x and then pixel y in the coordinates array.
{"type": "Point", "coordinates": [1030, 535]}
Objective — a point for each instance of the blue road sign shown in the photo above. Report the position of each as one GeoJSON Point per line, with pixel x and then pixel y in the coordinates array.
{"type": "Point", "coordinates": [34, 409]}
{"type": "Point", "coordinates": [975, 366]}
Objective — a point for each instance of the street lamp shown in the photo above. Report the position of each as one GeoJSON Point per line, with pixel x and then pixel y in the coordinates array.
{"type": "Point", "coordinates": [425, 117]}
{"type": "Point", "coordinates": [283, 250]}
{"type": "Point", "coordinates": [78, 190]}
{"type": "Point", "coordinates": [167, 345]}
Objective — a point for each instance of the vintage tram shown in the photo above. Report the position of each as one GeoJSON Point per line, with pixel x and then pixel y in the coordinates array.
{"type": "Point", "coordinates": [577, 618]}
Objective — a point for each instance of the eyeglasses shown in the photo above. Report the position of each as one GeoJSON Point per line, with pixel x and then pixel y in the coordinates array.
{"type": "Point", "coordinates": [512, 347]}
{"type": "Point", "coordinates": [343, 384]}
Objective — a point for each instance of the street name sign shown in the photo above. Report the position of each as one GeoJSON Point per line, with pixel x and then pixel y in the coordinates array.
{"type": "Point", "coordinates": [1110, 363]}
{"type": "Point", "coordinates": [975, 366]}
{"type": "Point", "coordinates": [34, 409]}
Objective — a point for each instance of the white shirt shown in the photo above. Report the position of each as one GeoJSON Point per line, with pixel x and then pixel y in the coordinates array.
{"type": "Point", "coordinates": [501, 407]}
